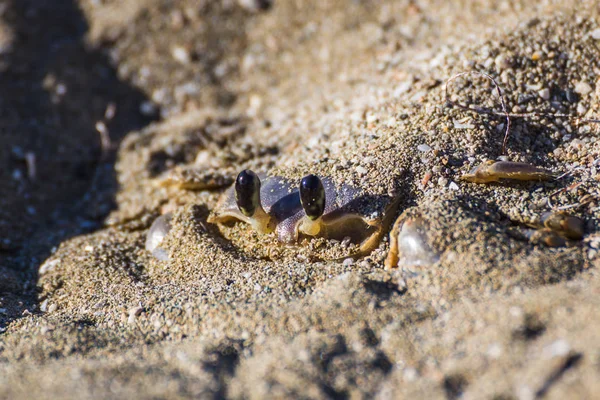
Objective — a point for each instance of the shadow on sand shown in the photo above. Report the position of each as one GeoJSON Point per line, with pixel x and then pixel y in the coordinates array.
{"type": "Point", "coordinates": [54, 89]}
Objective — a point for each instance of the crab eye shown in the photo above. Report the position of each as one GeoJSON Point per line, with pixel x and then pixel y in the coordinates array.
{"type": "Point", "coordinates": [312, 196]}
{"type": "Point", "coordinates": [247, 192]}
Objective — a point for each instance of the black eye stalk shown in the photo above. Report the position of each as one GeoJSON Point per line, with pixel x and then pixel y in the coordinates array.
{"type": "Point", "coordinates": [247, 197]}
{"type": "Point", "coordinates": [312, 198]}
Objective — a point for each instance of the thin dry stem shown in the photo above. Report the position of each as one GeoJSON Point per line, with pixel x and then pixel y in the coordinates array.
{"type": "Point", "coordinates": [505, 112]}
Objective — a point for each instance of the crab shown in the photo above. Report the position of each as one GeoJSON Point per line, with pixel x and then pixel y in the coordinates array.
{"type": "Point", "coordinates": [310, 212]}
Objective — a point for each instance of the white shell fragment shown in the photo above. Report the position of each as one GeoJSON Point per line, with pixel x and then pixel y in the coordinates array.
{"type": "Point", "coordinates": [409, 246]}
{"type": "Point", "coordinates": [159, 229]}
{"type": "Point", "coordinates": [413, 248]}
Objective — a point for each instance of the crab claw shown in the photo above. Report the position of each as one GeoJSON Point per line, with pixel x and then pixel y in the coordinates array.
{"type": "Point", "coordinates": [312, 198]}
{"type": "Point", "coordinates": [247, 197]}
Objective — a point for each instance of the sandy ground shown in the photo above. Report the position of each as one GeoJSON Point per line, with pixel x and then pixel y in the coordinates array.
{"type": "Point", "coordinates": [352, 90]}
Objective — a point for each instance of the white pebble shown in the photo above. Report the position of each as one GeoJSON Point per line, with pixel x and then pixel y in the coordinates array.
{"type": "Point", "coordinates": [133, 313]}
{"type": "Point", "coordinates": [361, 170]}
{"type": "Point", "coordinates": [557, 348]}
{"type": "Point", "coordinates": [423, 148]}
{"type": "Point", "coordinates": [494, 351]}
{"type": "Point", "coordinates": [180, 54]}
{"type": "Point", "coordinates": [461, 125]}
{"type": "Point", "coordinates": [47, 266]}
{"type": "Point", "coordinates": [453, 186]}
{"type": "Point", "coordinates": [410, 374]}
{"type": "Point", "coordinates": [348, 262]}
{"type": "Point", "coordinates": [596, 34]}
{"type": "Point", "coordinates": [502, 62]}
{"type": "Point", "coordinates": [583, 88]}
{"type": "Point", "coordinates": [544, 93]}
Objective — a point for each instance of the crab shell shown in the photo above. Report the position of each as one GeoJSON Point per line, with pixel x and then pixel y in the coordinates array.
{"type": "Point", "coordinates": [347, 212]}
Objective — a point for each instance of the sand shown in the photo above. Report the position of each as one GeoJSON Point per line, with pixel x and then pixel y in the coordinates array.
{"type": "Point", "coordinates": [101, 99]}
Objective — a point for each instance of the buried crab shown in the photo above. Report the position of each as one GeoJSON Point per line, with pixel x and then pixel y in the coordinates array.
{"type": "Point", "coordinates": [297, 212]}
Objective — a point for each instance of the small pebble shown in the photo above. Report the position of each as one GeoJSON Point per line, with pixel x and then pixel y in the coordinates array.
{"type": "Point", "coordinates": [596, 34]}
{"type": "Point", "coordinates": [361, 170]}
{"type": "Point", "coordinates": [133, 313]}
{"type": "Point", "coordinates": [583, 88]}
{"type": "Point", "coordinates": [410, 374]}
{"type": "Point", "coordinates": [147, 108]}
{"type": "Point", "coordinates": [544, 93]}
{"type": "Point", "coordinates": [48, 266]}
{"type": "Point", "coordinates": [502, 62]}
{"type": "Point", "coordinates": [181, 54]}
{"type": "Point", "coordinates": [423, 148]}
{"type": "Point", "coordinates": [557, 348]}
{"type": "Point", "coordinates": [494, 351]}
{"type": "Point", "coordinates": [348, 262]}
{"type": "Point", "coordinates": [461, 125]}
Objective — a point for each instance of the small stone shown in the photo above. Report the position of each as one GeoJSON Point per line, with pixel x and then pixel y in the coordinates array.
{"type": "Point", "coordinates": [453, 186]}
{"type": "Point", "coordinates": [502, 62]}
{"type": "Point", "coordinates": [361, 170]}
{"type": "Point", "coordinates": [595, 34]}
{"type": "Point", "coordinates": [148, 108]}
{"type": "Point", "coordinates": [410, 374]}
{"type": "Point", "coordinates": [52, 308]}
{"type": "Point", "coordinates": [181, 54]}
{"type": "Point", "coordinates": [581, 109]}
{"type": "Point", "coordinates": [557, 348]}
{"type": "Point", "coordinates": [583, 88]}
{"type": "Point", "coordinates": [544, 93]}
{"type": "Point", "coordinates": [133, 313]}
{"type": "Point", "coordinates": [48, 266]}
{"type": "Point", "coordinates": [463, 125]}
{"type": "Point", "coordinates": [348, 262]}
{"type": "Point", "coordinates": [423, 148]}
{"type": "Point", "coordinates": [494, 351]}
{"type": "Point", "coordinates": [371, 118]}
